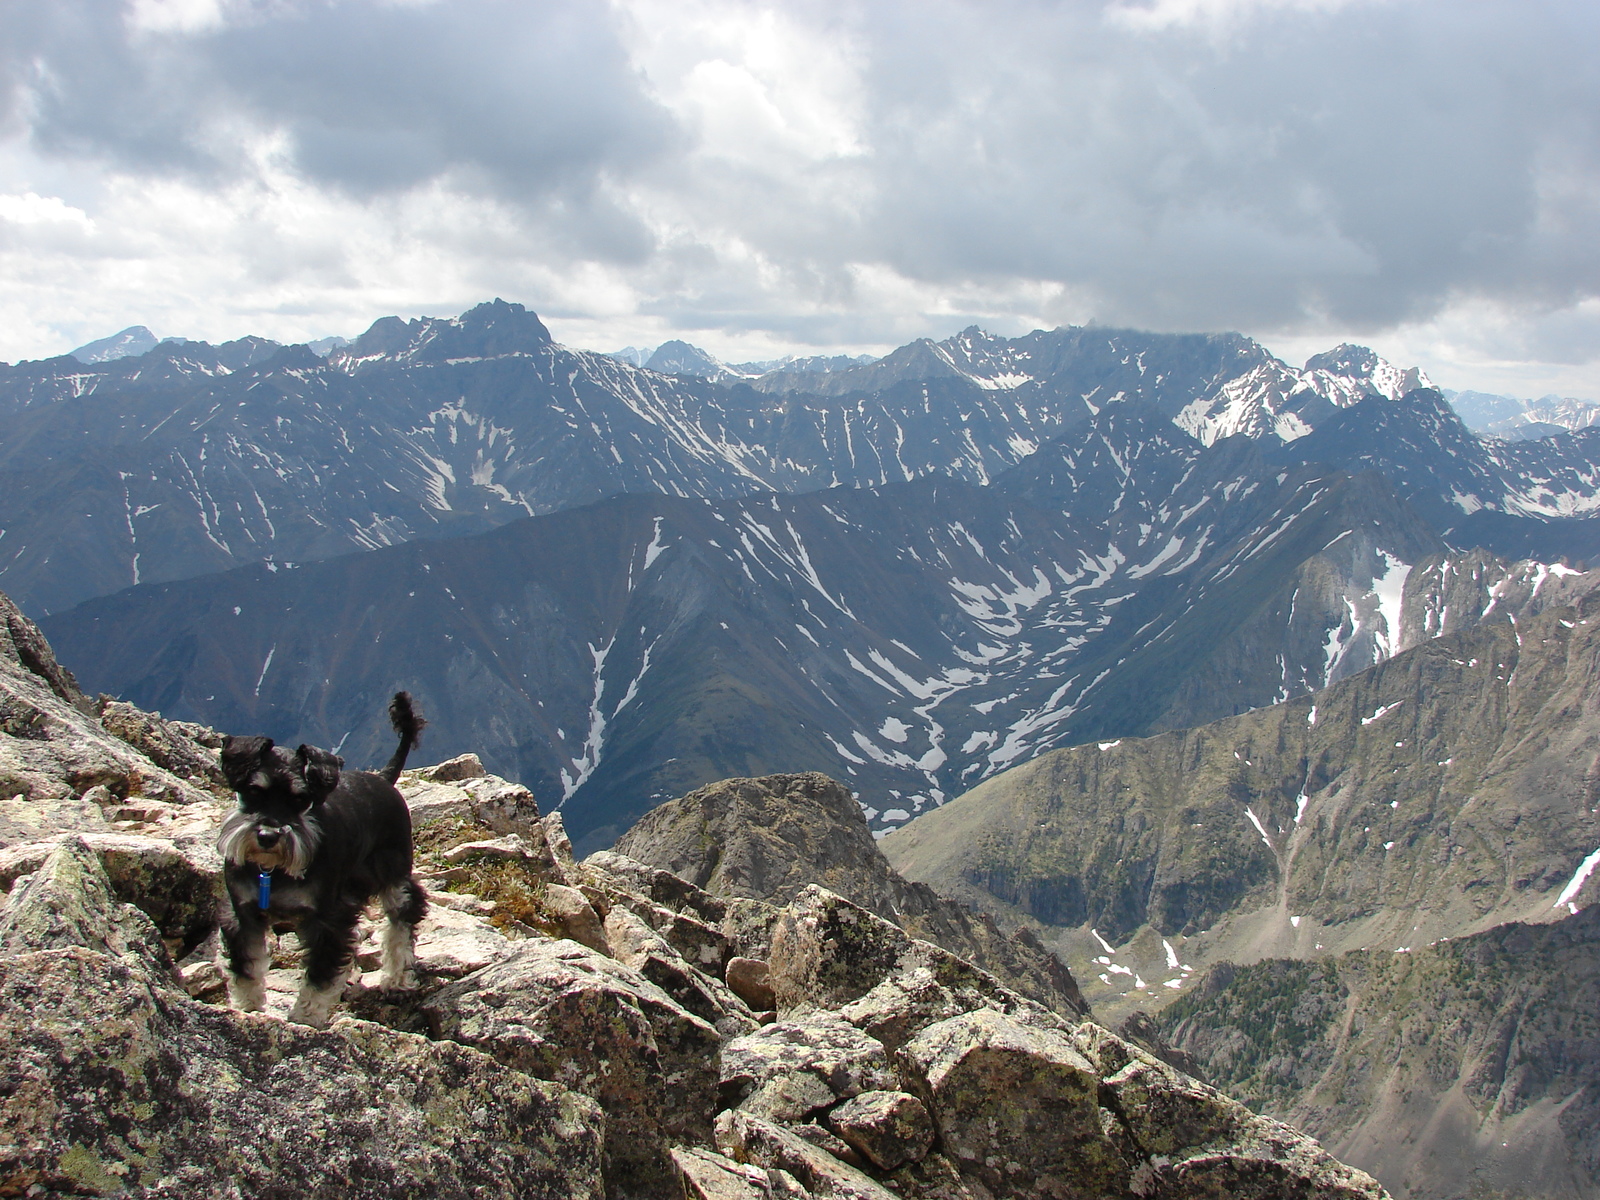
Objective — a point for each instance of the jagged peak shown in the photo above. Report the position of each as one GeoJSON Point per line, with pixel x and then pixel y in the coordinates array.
{"type": "Point", "coordinates": [489, 330]}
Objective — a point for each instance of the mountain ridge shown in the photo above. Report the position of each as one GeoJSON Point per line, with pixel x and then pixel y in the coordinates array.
{"type": "Point", "coordinates": [192, 458]}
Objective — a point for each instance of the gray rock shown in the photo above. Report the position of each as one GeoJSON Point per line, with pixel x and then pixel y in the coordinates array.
{"type": "Point", "coordinates": [68, 902]}
{"type": "Point", "coordinates": [790, 1070]}
{"type": "Point", "coordinates": [555, 832]}
{"type": "Point", "coordinates": [660, 886]}
{"type": "Point", "coordinates": [115, 1082]}
{"type": "Point", "coordinates": [177, 887]}
{"type": "Point", "coordinates": [708, 1175]}
{"type": "Point", "coordinates": [453, 770]}
{"type": "Point", "coordinates": [509, 846]}
{"type": "Point", "coordinates": [1199, 1142]}
{"type": "Point", "coordinates": [574, 917]}
{"type": "Point", "coordinates": [748, 926]}
{"type": "Point", "coordinates": [24, 647]}
{"type": "Point", "coordinates": [53, 748]}
{"type": "Point", "coordinates": [705, 946]}
{"type": "Point", "coordinates": [166, 744]}
{"type": "Point", "coordinates": [751, 1140]}
{"type": "Point", "coordinates": [1016, 1107]}
{"type": "Point", "coordinates": [769, 839]}
{"type": "Point", "coordinates": [486, 801]}
{"type": "Point", "coordinates": [766, 839]}
{"type": "Point", "coordinates": [450, 943]}
{"type": "Point", "coordinates": [636, 945]}
{"type": "Point", "coordinates": [32, 816]}
{"type": "Point", "coordinates": [829, 953]}
{"type": "Point", "coordinates": [825, 1139]}
{"type": "Point", "coordinates": [562, 1012]}
{"type": "Point", "coordinates": [123, 1091]}
{"type": "Point", "coordinates": [888, 1127]}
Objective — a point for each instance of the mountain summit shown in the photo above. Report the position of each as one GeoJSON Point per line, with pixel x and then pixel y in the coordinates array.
{"type": "Point", "coordinates": [130, 343]}
{"type": "Point", "coordinates": [487, 331]}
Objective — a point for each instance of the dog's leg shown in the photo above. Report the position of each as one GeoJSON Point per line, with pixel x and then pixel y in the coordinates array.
{"type": "Point", "coordinates": [244, 941]}
{"type": "Point", "coordinates": [329, 939]}
{"type": "Point", "coordinates": [405, 904]}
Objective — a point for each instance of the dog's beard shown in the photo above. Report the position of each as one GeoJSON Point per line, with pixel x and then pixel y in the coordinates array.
{"type": "Point", "coordinates": [297, 844]}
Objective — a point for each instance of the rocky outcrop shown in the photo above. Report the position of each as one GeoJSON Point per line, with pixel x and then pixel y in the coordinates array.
{"type": "Point", "coordinates": [893, 1068]}
{"type": "Point", "coordinates": [562, 1011]}
{"type": "Point", "coordinates": [769, 839]}
{"type": "Point", "coordinates": [579, 1029]}
{"type": "Point", "coordinates": [1022, 1101]}
{"type": "Point", "coordinates": [63, 769]}
{"type": "Point", "coordinates": [114, 1082]}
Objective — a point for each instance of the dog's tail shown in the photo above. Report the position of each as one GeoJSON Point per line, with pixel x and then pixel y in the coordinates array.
{"type": "Point", "coordinates": [408, 723]}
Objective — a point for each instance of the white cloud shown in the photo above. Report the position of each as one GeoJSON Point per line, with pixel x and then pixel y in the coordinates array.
{"type": "Point", "coordinates": [763, 177]}
{"type": "Point", "coordinates": [174, 16]}
{"type": "Point", "coordinates": [33, 209]}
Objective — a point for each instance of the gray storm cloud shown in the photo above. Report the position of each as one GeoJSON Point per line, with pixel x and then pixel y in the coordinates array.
{"type": "Point", "coordinates": [1175, 165]}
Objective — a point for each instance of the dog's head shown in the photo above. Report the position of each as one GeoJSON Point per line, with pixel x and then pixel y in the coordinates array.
{"type": "Point", "coordinates": [280, 791]}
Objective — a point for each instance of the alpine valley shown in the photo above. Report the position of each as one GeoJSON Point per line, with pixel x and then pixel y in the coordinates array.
{"type": "Point", "coordinates": [1263, 695]}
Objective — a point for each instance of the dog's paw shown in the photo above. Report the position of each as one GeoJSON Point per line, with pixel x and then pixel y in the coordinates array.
{"type": "Point", "coordinates": [247, 995]}
{"type": "Point", "coordinates": [314, 1006]}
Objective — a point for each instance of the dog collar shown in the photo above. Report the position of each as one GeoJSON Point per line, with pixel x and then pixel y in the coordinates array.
{"type": "Point", "coordinates": [266, 889]}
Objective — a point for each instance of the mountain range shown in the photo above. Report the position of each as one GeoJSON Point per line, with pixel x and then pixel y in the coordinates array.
{"type": "Point", "coordinates": [1019, 544]}
{"type": "Point", "coordinates": [193, 458]}
{"type": "Point", "coordinates": [1518, 419]}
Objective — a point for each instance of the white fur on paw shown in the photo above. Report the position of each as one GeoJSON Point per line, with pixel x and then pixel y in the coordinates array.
{"type": "Point", "coordinates": [399, 955]}
{"type": "Point", "coordinates": [247, 995]}
{"type": "Point", "coordinates": [314, 1006]}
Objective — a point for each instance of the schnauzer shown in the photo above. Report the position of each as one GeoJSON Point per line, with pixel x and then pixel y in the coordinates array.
{"type": "Point", "coordinates": [310, 847]}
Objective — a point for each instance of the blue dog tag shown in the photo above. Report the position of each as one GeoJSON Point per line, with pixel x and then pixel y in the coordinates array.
{"type": "Point", "coordinates": [266, 889]}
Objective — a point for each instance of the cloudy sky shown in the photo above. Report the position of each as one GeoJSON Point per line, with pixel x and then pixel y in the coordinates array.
{"type": "Point", "coordinates": [764, 178]}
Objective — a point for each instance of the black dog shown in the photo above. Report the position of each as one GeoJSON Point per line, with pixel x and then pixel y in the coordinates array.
{"type": "Point", "coordinates": [311, 847]}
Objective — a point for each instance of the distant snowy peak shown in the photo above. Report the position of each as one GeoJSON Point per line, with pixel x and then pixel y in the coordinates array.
{"type": "Point", "coordinates": [1357, 362]}
{"type": "Point", "coordinates": [810, 364]}
{"type": "Point", "coordinates": [1273, 399]}
{"type": "Point", "coordinates": [680, 358]}
{"type": "Point", "coordinates": [634, 356]}
{"type": "Point", "coordinates": [993, 363]}
{"type": "Point", "coordinates": [1522, 420]}
{"type": "Point", "coordinates": [1554, 414]}
{"type": "Point", "coordinates": [129, 343]}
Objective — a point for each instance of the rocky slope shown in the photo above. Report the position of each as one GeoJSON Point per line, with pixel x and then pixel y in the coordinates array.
{"type": "Point", "coordinates": [769, 839]}
{"type": "Point", "coordinates": [1463, 1068]}
{"type": "Point", "coordinates": [1448, 793]}
{"type": "Point", "coordinates": [580, 1029]}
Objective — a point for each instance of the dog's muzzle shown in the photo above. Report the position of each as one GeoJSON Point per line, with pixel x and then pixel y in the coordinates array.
{"type": "Point", "coordinates": [248, 841]}
{"type": "Point", "coordinates": [268, 836]}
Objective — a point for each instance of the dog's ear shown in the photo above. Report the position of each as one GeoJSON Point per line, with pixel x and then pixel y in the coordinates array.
{"type": "Point", "coordinates": [320, 770]}
{"type": "Point", "coordinates": [242, 757]}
